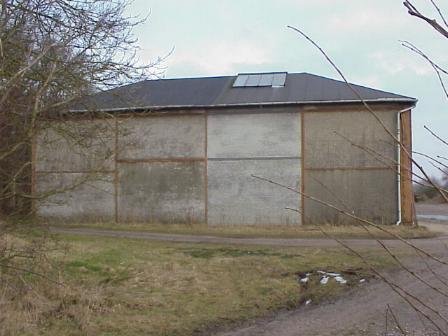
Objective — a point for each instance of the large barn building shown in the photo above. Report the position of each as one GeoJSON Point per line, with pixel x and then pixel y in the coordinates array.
{"type": "Point", "coordinates": [186, 151]}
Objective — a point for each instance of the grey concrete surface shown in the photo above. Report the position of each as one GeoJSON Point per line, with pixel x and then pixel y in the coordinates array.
{"type": "Point", "coordinates": [162, 192]}
{"type": "Point", "coordinates": [369, 194]}
{"type": "Point", "coordinates": [235, 197]}
{"type": "Point", "coordinates": [162, 137]}
{"type": "Point", "coordinates": [325, 148]}
{"type": "Point", "coordinates": [254, 135]}
{"type": "Point", "coordinates": [338, 147]}
{"type": "Point", "coordinates": [264, 144]}
{"type": "Point", "coordinates": [84, 145]}
{"type": "Point", "coordinates": [85, 196]}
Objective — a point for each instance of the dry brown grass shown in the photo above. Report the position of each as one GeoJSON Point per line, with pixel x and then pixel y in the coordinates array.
{"type": "Point", "coordinates": [32, 287]}
{"type": "Point", "coordinates": [28, 310]}
{"type": "Point", "coordinates": [133, 287]}
{"type": "Point", "coordinates": [117, 286]}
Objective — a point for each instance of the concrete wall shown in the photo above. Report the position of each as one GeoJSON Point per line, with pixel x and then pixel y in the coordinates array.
{"type": "Point", "coordinates": [369, 194]}
{"type": "Point", "coordinates": [148, 169]}
{"type": "Point", "coordinates": [263, 144]}
{"type": "Point", "coordinates": [76, 196]}
{"type": "Point", "coordinates": [161, 169]}
{"type": "Point", "coordinates": [76, 146]}
{"type": "Point", "coordinates": [235, 197]}
{"type": "Point", "coordinates": [196, 167]}
{"type": "Point", "coordinates": [350, 162]}
{"type": "Point", "coordinates": [162, 192]}
{"type": "Point", "coordinates": [74, 167]}
{"type": "Point", "coordinates": [260, 135]}
{"type": "Point", "coordinates": [162, 137]}
{"type": "Point", "coordinates": [349, 139]}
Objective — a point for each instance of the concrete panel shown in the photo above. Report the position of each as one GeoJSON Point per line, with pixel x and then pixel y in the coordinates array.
{"type": "Point", "coordinates": [234, 197]}
{"type": "Point", "coordinates": [169, 192]}
{"type": "Point", "coordinates": [162, 137]}
{"type": "Point", "coordinates": [253, 135]}
{"type": "Point", "coordinates": [81, 145]}
{"type": "Point", "coordinates": [80, 197]}
{"type": "Point", "coordinates": [326, 148]}
{"type": "Point", "coordinates": [370, 194]}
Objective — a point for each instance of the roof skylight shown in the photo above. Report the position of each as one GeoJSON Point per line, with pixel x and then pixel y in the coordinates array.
{"type": "Point", "coordinates": [273, 79]}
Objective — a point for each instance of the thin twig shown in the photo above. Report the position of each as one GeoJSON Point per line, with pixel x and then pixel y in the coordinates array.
{"type": "Point", "coordinates": [435, 135]}
{"type": "Point", "coordinates": [440, 12]}
{"type": "Point", "coordinates": [396, 320]}
{"type": "Point", "coordinates": [437, 69]}
{"type": "Point", "coordinates": [24, 270]}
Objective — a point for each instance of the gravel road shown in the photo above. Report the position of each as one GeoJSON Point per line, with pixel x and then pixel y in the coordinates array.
{"type": "Point", "coordinates": [299, 242]}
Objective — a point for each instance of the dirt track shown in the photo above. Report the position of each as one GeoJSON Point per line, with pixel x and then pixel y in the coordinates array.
{"type": "Point", "coordinates": [301, 242]}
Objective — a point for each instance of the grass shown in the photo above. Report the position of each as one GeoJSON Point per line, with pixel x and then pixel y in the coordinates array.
{"type": "Point", "coordinates": [133, 287]}
{"type": "Point", "coordinates": [244, 231]}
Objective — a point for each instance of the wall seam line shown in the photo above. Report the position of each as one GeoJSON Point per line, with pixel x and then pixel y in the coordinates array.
{"type": "Point", "coordinates": [302, 173]}
{"type": "Point", "coordinates": [116, 182]}
{"type": "Point", "coordinates": [206, 169]}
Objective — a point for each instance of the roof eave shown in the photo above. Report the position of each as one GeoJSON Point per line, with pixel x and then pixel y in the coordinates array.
{"type": "Point", "coordinates": [403, 100]}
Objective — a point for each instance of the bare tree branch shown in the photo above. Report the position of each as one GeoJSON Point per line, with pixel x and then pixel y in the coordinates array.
{"type": "Point", "coordinates": [442, 16]}
{"type": "Point", "coordinates": [437, 69]}
{"type": "Point", "coordinates": [435, 135]}
{"type": "Point", "coordinates": [412, 10]}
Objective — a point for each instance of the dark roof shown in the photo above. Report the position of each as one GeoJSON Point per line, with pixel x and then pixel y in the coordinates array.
{"type": "Point", "coordinates": [300, 88]}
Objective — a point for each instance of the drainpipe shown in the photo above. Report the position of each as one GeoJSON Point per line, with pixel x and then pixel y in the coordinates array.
{"type": "Point", "coordinates": [399, 159]}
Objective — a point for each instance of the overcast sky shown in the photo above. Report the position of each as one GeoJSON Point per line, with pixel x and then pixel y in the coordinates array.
{"type": "Point", "coordinates": [212, 38]}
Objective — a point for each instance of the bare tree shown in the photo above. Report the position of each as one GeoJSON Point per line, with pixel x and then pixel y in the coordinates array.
{"type": "Point", "coordinates": [53, 52]}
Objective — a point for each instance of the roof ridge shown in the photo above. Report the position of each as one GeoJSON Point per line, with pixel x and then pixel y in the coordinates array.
{"type": "Point", "coordinates": [180, 78]}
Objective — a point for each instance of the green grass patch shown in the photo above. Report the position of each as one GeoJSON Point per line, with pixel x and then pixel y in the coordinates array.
{"type": "Point", "coordinates": [234, 253]}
